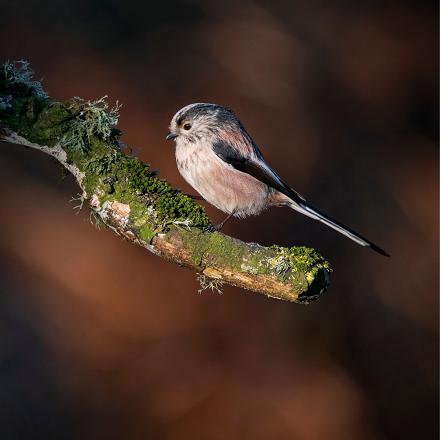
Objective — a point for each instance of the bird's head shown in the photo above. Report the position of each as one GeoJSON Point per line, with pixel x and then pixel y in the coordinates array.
{"type": "Point", "coordinates": [200, 121]}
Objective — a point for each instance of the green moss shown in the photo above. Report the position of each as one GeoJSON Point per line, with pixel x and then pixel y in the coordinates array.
{"type": "Point", "coordinates": [169, 203]}
{"type": "Point", "coordinates": [50, 124]}
{"type": "Point", "coordinates": [20, 114]}
{"type": "Point", "coordinates": [146, 234]}
{"type": "Point", "coordinates": [282, 261]}
{"type": "Point", "coordinates": [303, 268]}
{"type": "Point", "coordinates": [296, 258]}
{"type": "Point", "coordinates": [228, 250]}
{"type": "Point", "coordinates": [197, 246]}
{"type": "Point", "coordinates": [210, 248]}
{"type": "Point", "coordinates": [140, 213]}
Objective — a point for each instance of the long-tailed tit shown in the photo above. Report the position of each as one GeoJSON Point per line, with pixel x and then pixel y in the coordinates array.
{"type": "Point", "coordinates": [219, 159]}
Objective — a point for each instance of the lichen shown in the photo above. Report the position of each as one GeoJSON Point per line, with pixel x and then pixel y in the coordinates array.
{"type": "Point", "coordinates": [215, 285]}
{"type": "Point", "coordinates": [16, 76]}
{"type": "Point", "coordinates": [96, 220]}
{"type": "Point", "coordinates": [90, 119]}
{"type": "Point", "coordinates": [79, 200]}
{"type": "Point", "coordinates": [5, 102]}
{"type": "Point", "coordinates": [21, 98]}
{"type": "Point", "coordinates": [296, 259]}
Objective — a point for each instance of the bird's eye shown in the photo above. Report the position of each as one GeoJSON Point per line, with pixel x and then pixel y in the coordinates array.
{"type": "Point", "coordinates": [186, 126]}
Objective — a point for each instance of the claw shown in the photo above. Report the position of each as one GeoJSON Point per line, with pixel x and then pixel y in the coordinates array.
{"type": "Point", "coordinates": [210, 228]}
{"type": "Point", "coordinates": [215, 228]}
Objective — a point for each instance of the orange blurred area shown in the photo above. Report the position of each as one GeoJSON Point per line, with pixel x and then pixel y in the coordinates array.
{"type": "Point", "coordinates": [101, 340]}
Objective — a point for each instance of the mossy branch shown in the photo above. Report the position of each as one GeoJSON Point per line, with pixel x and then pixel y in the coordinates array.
{"type": "Point", "coordinates": [129, 197]}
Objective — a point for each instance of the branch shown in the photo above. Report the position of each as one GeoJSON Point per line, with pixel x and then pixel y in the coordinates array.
{"type": "Point", "coordinates": [129, 197]}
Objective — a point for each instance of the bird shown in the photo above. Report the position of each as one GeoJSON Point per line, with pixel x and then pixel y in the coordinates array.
{"type": "Point", "coordinates": [220, 160]}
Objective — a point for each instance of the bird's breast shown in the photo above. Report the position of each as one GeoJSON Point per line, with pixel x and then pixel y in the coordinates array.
{"type": "Point", "coordinates": [219, 183]}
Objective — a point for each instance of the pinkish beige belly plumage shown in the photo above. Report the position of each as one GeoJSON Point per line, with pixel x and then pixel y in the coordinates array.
{"type": "Point", "coordinates": [220, 184]}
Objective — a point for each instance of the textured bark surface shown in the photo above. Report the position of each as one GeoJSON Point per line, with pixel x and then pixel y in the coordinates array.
{"type": "Point", "coordinates": [129, 198]}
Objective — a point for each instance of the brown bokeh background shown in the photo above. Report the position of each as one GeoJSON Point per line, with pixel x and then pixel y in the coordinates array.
{"type": "Point", "coordinates": [101, 340]}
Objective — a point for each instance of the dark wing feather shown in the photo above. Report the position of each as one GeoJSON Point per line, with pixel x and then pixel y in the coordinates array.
{"type": "Point", "coordinates": [256, 168]}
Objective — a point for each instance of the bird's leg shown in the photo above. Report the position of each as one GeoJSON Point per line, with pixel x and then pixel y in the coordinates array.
{"type": "Point", "coordinates": [214, 228]}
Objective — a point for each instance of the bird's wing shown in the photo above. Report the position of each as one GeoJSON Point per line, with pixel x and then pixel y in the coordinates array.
{"type": "Point", "coordinates": [254, 166]}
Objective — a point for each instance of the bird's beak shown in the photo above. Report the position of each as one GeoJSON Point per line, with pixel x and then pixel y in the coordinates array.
{"type": "Point", "coordinates": [170, 136]}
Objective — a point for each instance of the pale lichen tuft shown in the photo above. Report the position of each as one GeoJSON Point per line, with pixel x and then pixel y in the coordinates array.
{"type": "Point", "coordinates": [5, 102]}
{"type": "Point", "coordinates": [79, 199]}
{"type": "Point", "coordinates": [19, 74]}
{"type": "Point", "coordinates": [91, 118]}
{"type": "Point", "coordinates": [215, 285]}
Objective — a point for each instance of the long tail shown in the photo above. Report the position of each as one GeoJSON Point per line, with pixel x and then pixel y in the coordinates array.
{"type": "Point", "coordinates": [306, 209]}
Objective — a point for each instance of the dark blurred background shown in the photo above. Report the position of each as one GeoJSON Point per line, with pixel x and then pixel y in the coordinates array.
{"type": "Point", "coordinates": [101, 340]}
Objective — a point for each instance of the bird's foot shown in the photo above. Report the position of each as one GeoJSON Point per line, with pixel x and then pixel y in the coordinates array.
{"type": "Point", "coordinates": [213, 228]}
